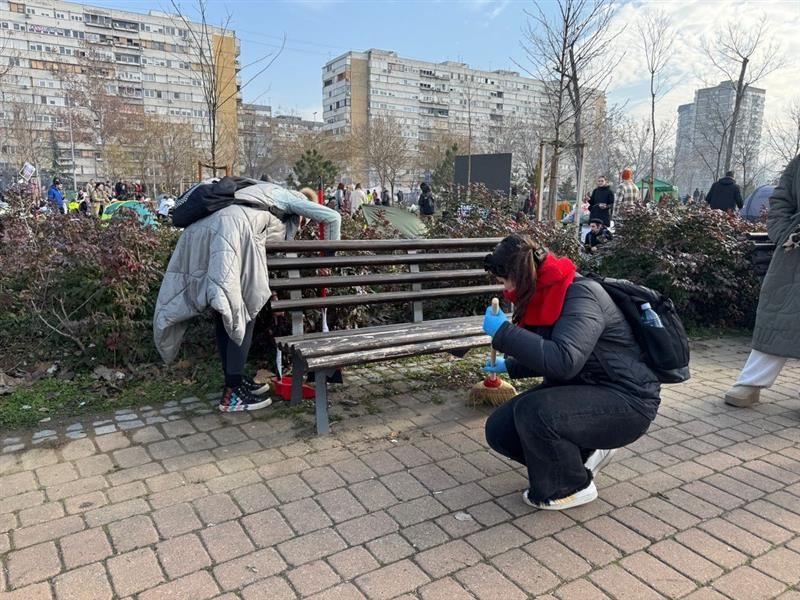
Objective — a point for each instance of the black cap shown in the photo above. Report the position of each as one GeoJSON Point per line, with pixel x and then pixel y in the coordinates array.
{"type": "Point", "coordinates": [597, 221]}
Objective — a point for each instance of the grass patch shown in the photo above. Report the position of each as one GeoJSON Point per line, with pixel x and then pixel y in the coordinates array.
{"type": "Point", "coordinates": [57, 397]}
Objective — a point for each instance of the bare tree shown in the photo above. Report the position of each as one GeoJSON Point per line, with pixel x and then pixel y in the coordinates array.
{"type": "Point", "coordinates": [710, 139]}
{"type": "Point", "coordinates": [783, 135]}
{"type": "Point", "coordinates": [214, 53]}
{"type": "Point", "coordinates": [570, 49]}
{"type": "Point", "coordinates": [744, 55]}
{"type": "Point", "coordinates": [385, 150]}
{"type": "Point", "coordinates": [256, 145]}
{"type": "Point", "coordinates": [656, 36]}
{"type": "Point", "coordinates": [27, 140]}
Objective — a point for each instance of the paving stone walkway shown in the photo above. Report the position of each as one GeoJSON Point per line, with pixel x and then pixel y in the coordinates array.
{"type": "Point", "coordinates": [408, 503]}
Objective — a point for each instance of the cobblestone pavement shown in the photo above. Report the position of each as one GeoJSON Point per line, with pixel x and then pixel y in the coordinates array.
{"type": "Point", "coordinates": [408, 503]}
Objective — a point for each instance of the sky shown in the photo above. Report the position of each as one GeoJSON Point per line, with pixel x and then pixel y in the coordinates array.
{"type": "Point", "coordinates": [485, 34]}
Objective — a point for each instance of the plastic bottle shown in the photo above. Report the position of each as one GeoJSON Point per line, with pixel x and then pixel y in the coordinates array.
{"type": "Point", "coordinates": [650, 317]}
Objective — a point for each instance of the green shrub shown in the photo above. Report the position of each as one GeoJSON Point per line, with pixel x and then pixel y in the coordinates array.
{"type": "Point", "coordinates": [697, 256]}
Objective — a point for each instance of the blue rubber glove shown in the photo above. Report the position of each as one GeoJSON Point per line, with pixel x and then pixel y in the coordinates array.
{"type": "Point", "coordinates": [499, 366]}
{"type": "Point", "coordinates": [492, 322]}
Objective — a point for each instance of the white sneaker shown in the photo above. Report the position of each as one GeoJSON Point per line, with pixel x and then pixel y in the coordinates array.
{"type": "Point", "coordinates": [583, 496]}
{"type": "Point", "coordinates": [742, 396]}
{"type": "Point", "coordinates": [599, 459]}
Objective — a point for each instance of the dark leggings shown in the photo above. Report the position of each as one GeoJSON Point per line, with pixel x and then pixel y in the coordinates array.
{"type": "Point", "coordinates": [553, 430]}
{"type": "Point", "coordinates": [233, 356]}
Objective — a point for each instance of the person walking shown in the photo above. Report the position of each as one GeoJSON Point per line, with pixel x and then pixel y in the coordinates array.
{"type": "Point", "coordinates": [339, 196]}
{"type": "Point", "coordinates": [386, 198]}
{"type": "Point", "coordinates": [725, 194]}
{"type": "Point", "coordinates": [627, 191]}
{"type": "Point", "coordinates": [601, 201]}
{"type": "Point", "coordinates": [597, 395]}
{"type": "Point", "coordinates": [357, 198]}
{"type": "Point", "coordinates": [55, 197]}
{"type": "Point", "coordinates": [400, 197]}
{"type": "Point", "coordinates": [220, 263]}
{"type": "Point", "coordinates": [777, 324]}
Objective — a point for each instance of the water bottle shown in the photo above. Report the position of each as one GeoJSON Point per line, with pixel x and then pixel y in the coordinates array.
{"type": "Point", "coordinates": [650, 317]}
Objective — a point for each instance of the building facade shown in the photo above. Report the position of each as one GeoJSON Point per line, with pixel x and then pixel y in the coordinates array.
{"type": "Point", "coordinates": [148, 64]}
{"type": "Point", "coordinates": [703, 130]}
{"type": "Point", "coordinates": [428, 99]}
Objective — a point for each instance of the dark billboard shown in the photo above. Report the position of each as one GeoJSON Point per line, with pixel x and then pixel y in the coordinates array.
{"type": "Point", "coordinates": [492, 170]}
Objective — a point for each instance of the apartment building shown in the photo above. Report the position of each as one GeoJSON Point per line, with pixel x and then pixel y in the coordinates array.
{"type": "Point", "coordinates": [704, 128]}
{"type": "Point", "coordinates": [425, 97]}
{"type": "Point", "coordinates": [149, 62]}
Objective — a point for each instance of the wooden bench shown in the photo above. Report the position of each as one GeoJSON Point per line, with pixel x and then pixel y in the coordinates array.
{"type": "Point", "coordinates": [431, 270]}
{"type": "Point", "coordinates": [762, 252]}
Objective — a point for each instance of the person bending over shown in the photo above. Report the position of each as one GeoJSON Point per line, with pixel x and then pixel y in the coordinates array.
{"type": "Point", "coordinates": [597, 395]}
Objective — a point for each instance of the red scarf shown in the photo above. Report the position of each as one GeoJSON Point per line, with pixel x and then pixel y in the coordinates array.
{"type": "Point", "coordinates": [553, 277]}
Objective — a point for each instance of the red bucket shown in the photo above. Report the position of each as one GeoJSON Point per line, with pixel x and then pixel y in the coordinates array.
{"type": "Point", "coordinates": [283, 388]}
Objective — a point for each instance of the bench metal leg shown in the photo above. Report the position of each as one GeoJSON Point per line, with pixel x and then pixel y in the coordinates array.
{"type": "Point", "coordinates": [321, 386]}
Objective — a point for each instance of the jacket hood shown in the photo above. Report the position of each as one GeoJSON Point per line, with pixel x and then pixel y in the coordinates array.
{"type": "Point", "coordinates": [727, 181]}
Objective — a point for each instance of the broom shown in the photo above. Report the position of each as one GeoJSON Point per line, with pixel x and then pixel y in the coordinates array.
{"type": "Point", "coordinates": [492, 390]}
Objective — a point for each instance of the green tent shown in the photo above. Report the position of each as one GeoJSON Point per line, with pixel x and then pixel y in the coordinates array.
{"type": "Point", "coordinates": [660, 188]}
{"type": "Point", "coordinates": [407, 223]}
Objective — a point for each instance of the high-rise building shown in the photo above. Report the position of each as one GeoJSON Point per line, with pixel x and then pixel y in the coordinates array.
{"type": "Point", "coordinates": [425, 97]}
{"type": "Point", "coordinates": [704, 129]}
{"type": "Point", "coordinates": [148, 63]}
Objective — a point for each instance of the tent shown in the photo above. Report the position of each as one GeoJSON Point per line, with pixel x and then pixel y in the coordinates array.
{"type": "Point", "coordinates": [407, 223]}
{"type": "Point", "coordinates": [115, 210]}
{"type": "Point", "coordinates": [660, 188]}
{"type": "Point", "coordinates": [757, 203]}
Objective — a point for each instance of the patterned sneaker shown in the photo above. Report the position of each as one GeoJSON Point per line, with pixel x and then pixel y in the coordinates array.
{"type": "Point", "coordinates": [583, 496]}
{"type": "Point", "coordinates": [598, 460]}
{"type": "Point", "coordinates": [257, 389]}
{"type": "Point", "coordinates": [239, 399]}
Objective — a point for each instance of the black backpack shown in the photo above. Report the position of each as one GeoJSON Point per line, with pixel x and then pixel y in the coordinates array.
{"type": "Point", "coordinates": [203, 199]}
{"type": "Point", "coordinates": [427, 205]}
{"type": "Point", "coordinates": [666, 350]}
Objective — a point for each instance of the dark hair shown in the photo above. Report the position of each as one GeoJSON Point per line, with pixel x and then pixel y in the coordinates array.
{"type": "Point", "coordinates": [728, 173]}
{"type": "Point", "coordinates": [596, 221]}
{"type": "Point", "coordinates": [516, 258]}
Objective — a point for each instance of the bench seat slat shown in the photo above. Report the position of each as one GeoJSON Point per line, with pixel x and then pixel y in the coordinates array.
{"type": "Point", "coordinates": [292, 283]}
{"type": "Point", "coordinates": [367, 340]}
{"type": "Point", "coordinates": [286, 343]}
{"type": "Point", "coordinates": [370, 356]}
{"type": "Point", "coordinates": [370, 245]}
{"type": "Point", "coordinates": [384, 297]}
{"type": "Point", "coordinates": [304, 262]}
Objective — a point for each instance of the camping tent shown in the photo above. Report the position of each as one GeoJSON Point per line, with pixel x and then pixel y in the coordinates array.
{"type": "Point", "coordinates": [757, 203]}
{"type": "Point", "coordinates": [660, 187]}
{"type": "Point", "coordinates": [120, 207]}
{"type": "Point", "coordinates": [407, 223]}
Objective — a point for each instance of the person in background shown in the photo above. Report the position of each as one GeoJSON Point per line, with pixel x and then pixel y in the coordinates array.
{"type": "Point", "coordinates": [627, 190]}
{"type": "Point", "coordinates": [601, 202]}
{"type": "Point", "coordinates": [84, 201]}
{"type": "Point", "coordinates": [725, 194]}
{"type": "Point", "coordinates": [696, 194]}
{"type": "Point", "coordinates": [597, 394]}
{"type": "Point", "coordinates": [702, 197]}
{"type": "Point", "coordinates": [339, 196]}
{"type": "Point", "coordinates": [400, 197]}
{"type": "Point", "coordinates": [376, 196]}
{"type": "Point", "coordinates": [778, 315]}
{"type": "Point", "coordinates": [427, 203]}
{"type": "Point", "coordinates": [55, 196]}
{"type": "Point", "coordinates": [357, 198]}
{"type": "Point", "coordinates": [386, 197]}
{"type": "Point", "coordinates": [220, 263]}
{"type": "Point", "coordinates": [100, 199]}
{"type": "Point", "coordinates": [598, 235]}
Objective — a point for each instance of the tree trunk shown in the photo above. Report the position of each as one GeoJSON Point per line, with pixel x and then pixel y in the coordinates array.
{"type": "Point", "coordinates": [740, 90]}
{"type": "Point", "coordinates": [652, 187]}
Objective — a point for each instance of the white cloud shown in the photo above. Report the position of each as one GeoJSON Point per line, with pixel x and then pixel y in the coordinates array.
{"type": "Point", "coordinates": [689, 68]}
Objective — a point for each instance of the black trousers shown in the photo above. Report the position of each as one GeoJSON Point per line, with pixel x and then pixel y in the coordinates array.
{"type": "Point", "coordinates": [552, 430]}
{"type": "Point", "coordinates": [232, 355]}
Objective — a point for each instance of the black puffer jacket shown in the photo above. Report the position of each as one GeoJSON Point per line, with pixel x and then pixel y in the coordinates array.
{"type": "Point", "coordinates": [590, 344]}
{"type": "Point", "coordinates": [725, 195]}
